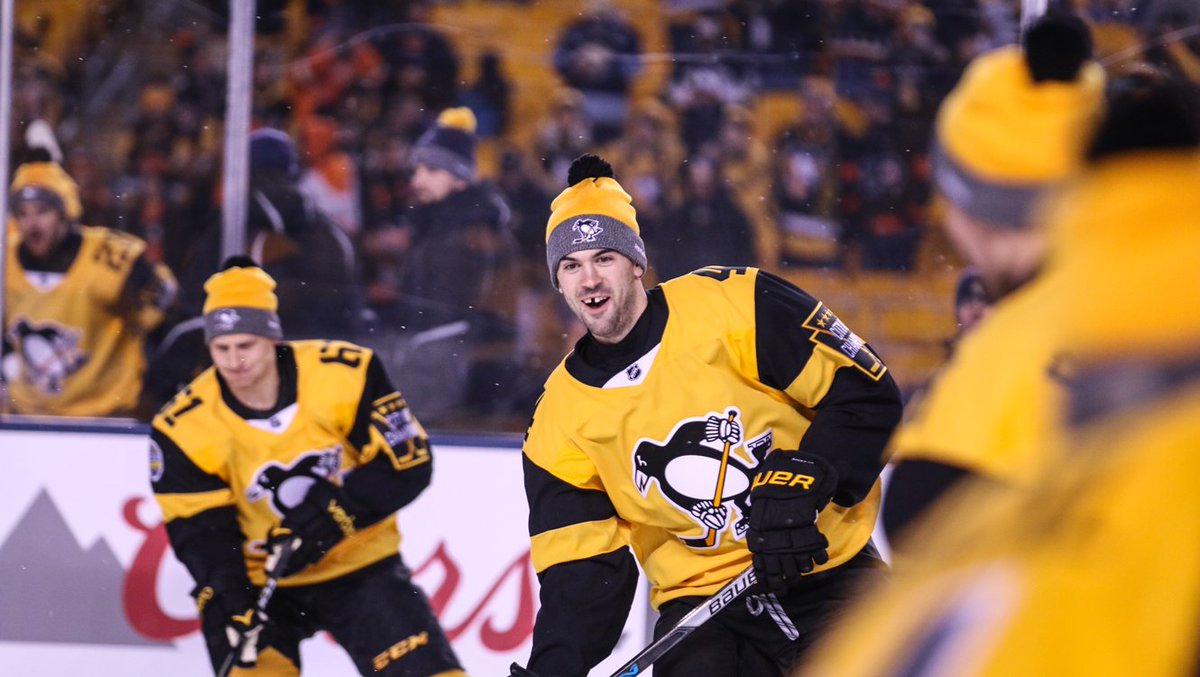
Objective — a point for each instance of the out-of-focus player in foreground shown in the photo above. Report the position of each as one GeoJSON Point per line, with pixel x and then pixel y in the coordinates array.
{"type": "Point", "coordinates": [1015, 127]}
{"type": "Point", "coordinates": [722, 419]}
{"type": "Point", "coordinates": [284, 440]}
{"type": "Point", "coordinates": [1095, 570]}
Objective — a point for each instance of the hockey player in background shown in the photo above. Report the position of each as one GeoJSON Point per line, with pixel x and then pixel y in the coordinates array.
{"type": "Point", "coordinates": [1014, 128]}
{"type": "Point", "coordinates": [1095, 569]}
{"type": "Point", "coordinates": [280, 440]}
{"type": "Point", "coordinates": [720, 420]}
{"type": "Point", "coordinates": [80, 303]}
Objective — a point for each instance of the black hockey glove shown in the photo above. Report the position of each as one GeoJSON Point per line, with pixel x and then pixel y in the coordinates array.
{"type": "Point", "coordinates": [231, 606]}
{"type": "Point", "coordinates": [320, 522]}
{"type": "Point", "coordinates": [515, 670]}
{"type": "Point", "coordinates": [789, 489]}
{"type": "Point", "coordinates": [244, 628]}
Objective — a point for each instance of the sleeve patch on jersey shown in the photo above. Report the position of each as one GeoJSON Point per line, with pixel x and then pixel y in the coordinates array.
{"type": "Point", "coordinates": [829, 331]}
{"type": "Point", "coordinates": [391, 416]}
{"type": "Point", "coordinates": [157, 463]}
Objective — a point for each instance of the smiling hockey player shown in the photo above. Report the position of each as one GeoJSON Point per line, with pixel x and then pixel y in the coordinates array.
{"type": "Point", "coordinates": [720, 419]}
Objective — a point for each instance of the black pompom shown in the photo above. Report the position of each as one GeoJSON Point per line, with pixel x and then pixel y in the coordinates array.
{"type": "Point", "coordinates": [1056, 45]}
{"type": "Point", "coordinates": [35, 154]}
{"type": "Point", "coordinates": [588, 167]}
{"type": "Point", "coordinates": [238, 261]}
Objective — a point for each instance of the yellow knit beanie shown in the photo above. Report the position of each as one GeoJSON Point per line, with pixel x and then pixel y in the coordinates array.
{"type": "Point", "coordinates": [241, 300]}
{"type": "Point", "coordinates": [594, 212]}
{"type": "Point", "coordinates": [47, 182]}
{"type": "Point", "coordinates": [1004, 135]}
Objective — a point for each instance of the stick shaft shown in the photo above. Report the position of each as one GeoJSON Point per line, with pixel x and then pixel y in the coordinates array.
{"type": "Point", "coordinates": [688, 624]}
{"type": "Point", "coordinates": [264, 598]}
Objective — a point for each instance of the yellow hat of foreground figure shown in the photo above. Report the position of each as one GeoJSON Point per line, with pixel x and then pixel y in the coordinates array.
{"type": "Point", "coordinates": [1018, 121]}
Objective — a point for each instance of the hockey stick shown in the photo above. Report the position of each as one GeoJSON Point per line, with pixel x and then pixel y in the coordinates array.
{"type": "Point", "coordinates": [264, 598]}
{"type": "Point", "coordinates": [727, 595]}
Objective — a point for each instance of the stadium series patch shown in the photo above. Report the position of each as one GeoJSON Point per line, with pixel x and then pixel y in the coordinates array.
{"type": "Point", "coordinates": [829, 331]}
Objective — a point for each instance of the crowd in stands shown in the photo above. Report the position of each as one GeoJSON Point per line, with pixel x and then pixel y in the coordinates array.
{"type": "Point", "coordinates": [785, 134]}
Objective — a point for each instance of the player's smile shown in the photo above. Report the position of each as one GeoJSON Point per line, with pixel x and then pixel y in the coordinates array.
{"type": "Point", "coordinates": [595, 301]}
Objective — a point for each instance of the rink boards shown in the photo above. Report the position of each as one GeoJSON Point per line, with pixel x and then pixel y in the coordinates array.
{"type": "Point", "coordinates": [88, 583]}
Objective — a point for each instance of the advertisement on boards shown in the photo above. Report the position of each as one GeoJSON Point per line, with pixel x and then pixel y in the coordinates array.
{"type": "Point", "coordinates": [89, 585]}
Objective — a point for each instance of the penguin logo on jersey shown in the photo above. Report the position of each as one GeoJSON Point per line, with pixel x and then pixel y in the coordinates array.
{"type": "Point", "coordinates": [49, 353]}
{"type": "Point", "coordinates": [700, 470]}
{"type": "Point", "coordinates": [287, 485]}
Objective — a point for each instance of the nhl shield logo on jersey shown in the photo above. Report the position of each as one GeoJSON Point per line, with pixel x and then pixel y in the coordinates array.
{"type": "Point", "coordinates": [287, 485]}
{"type": "Point", "coordinates": [49, 353]}
{"type": "Point", "coordinates": [587, 230]}
{"type": "Point", "coordinates": [703, 467]}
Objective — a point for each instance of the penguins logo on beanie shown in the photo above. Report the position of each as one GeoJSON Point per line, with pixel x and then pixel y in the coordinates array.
{"type": "Point", "coordinates": [47, 182]}
{"type": "Point", "coordinates": [1018, 121]}
{"type": "Point", "coordinates": [449, 145]}
{"type": "Point", "coordinates": [600, 215]}
{"type": "Point", "coordinates": [241, 300]}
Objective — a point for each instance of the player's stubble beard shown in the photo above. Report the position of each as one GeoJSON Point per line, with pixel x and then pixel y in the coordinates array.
{"type": "Point", "coordinates": [618, 318]}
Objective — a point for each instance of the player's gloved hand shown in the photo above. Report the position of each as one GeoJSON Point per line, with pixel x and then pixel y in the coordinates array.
{"type": "Point", "coordinates": [229, 605]}
{"type": "Point", "coordinates": [320, 522]}
{"type": "Point", "coordinates": [789, 489]}
{"type": "Point", "coordinates": [245, 628]}
{"type": "Point", "coordinates": [515, 670]}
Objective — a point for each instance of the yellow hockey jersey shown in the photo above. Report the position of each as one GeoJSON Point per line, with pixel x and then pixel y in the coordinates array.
{"type": "Point", "coordinates": [1094, 571]}
{"type": "Point", "coordinates": [339, 419]}
{"type": "Point", "coordinates": [79, 335]}
{"type": "Point", "coordinates": [728, 363]}
{"type": "Point", "coordinates": [996, 407]}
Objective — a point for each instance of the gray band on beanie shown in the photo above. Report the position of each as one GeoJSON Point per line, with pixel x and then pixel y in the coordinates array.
{"type": "Point", "coordinates": [592, 231]}
{"type": "Point", "coordinates": [439, 157]}
{"type": "Point", "coordinates": [241, 320]}
{"type": "Point", "coordinates": [38, 194]}
{"type": "Point", "coordinates": [1009, 205]}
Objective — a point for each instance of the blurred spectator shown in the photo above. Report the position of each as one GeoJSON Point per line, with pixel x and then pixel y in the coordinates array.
{"type": "Point", "coordinates": [600, 54]}
{"type": "Point", "coordinates": [705, 227]}
{"type": "Point", "coordinates": [649, 154]}
{"type": "Point", "coordinates": [530, 205]}
{"type": "Point", "coordinates": [806, 184]}
{"type": "Point", "coordinates": [310, 256]}
{"type": "Point", "coordinates": [882, 202]}
{"type": "Point", "coordinates": [79, 304]}
{"type": "Point", "coordinates": [783, 38]}
{"type": "Point", "coordinates": [746, 167]}
{"type": "Point", "coordinates": [420, 60]}
{"type": "Point", "coordinates": [330, 175]}
{"type": "Point", "coordinates": [488, 97]}
{"type": "Point", "coordinates": [563, 135]}
{"type": "Point", "coordinates": [971, 302]}
{"type": "Point", "coordinates": [456, 273]}
{"type": "Point", "coordinates": [460, 237]}
{"type": "Point", "coordinates": [707, 78]}
{"type": "Point", "coordinates": [916, 61]}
